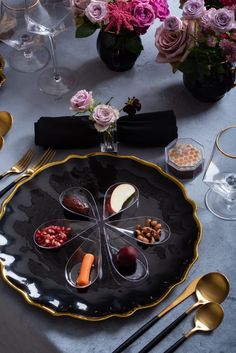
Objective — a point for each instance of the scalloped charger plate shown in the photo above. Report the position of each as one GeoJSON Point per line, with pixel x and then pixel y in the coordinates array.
{"type": "Point", "coordinates": [39, 275]}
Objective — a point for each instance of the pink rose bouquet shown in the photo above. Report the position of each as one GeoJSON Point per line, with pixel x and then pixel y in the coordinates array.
{"type": "Point", "coordinates": [117, 15]}
{"type": "Point", "coordinates": [201, 40]}
{"type": "Point", "coordinates": [104, 116]}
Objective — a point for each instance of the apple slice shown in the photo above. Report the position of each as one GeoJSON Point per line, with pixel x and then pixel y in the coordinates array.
{"type": "Point", "coordinates": [119, 196]}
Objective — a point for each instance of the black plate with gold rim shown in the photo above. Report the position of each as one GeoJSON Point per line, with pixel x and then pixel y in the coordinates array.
{"type": "Point", "coordinates": [39, 274]}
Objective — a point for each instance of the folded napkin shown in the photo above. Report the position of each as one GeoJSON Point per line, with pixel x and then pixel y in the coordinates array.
{"type": "Point", "coordinates": [147, 129]}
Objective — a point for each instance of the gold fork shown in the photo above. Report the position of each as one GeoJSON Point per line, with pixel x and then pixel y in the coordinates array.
{"type": "Point", "coordinates": [21, 165]}
{"type": "Point", "coordinates": [42, 161]}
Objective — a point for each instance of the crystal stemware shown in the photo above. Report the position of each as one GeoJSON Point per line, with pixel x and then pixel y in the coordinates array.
{"type": "Point", "coordinates": [30, 55]}
{"type": "Point", "coordinates": [49, 18]}
{"type": "Point", "coordinates": [220, 175]}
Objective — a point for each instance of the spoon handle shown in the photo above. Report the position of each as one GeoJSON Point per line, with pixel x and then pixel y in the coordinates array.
{"type": "Point", "coordinates": [176, 345]}
{"type": "Point", "coordinates": [137, 334]}
{"type": "Point", "coordinates": [163, 333]}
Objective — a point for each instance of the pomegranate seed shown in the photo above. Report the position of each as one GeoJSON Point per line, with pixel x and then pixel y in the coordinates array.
{"type": "Point", "coordinates": [52, 236]}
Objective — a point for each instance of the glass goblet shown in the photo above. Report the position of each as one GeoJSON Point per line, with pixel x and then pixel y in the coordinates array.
{"type": "Point", "coordinates": [49, 18]}
{"type": "Point", "coordinates": [220, 175]}
{"type": "Point", "coordinates": [30, 55]}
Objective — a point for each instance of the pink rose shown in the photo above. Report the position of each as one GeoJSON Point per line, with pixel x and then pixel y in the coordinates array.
{"type": "Point", "coordinates": [81, 101]}
{"type": "Point", "coordinates": [143, 13]}
{"type": "Point", "coordinates": [160, 8]}
{"type": "Point", "coordinates": [222, 20]}
{"type": "Point", "coordinates": [79, 6]}
{"type": "Point", "coordinates": [96, 11]}
{"type": "Point", "coordinates": [205, 20]}
{"type": "Point", "coordinates": [193, 9]}
{"type": "Point", "coordinates": [103, 116]}
{"type": "Point", "coordinates": [172, 23]}
{"type": "Point", "coordinates": [174, 47]}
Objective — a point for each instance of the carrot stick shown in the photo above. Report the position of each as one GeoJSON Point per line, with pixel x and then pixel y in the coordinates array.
{"type": "Point", "coordinates": [85, 269]}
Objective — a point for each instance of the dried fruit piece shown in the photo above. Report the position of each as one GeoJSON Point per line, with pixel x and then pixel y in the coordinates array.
{"type": "Point", "coordinates": [74, 203]}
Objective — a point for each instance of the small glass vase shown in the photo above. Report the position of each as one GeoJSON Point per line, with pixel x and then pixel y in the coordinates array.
{"type": "Point", "coordinates": [119, 51]}
{"type": "Point", "coordinates": [109, 141]}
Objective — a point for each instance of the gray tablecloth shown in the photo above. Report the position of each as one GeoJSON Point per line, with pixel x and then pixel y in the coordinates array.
{"type": "Point", "coordinates": [27, 329]}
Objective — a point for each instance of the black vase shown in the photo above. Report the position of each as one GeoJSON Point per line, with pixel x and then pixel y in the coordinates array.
{"type": "Point", "coordinates": [119, 51]}
{"type": "Point", "coordinates": [210, 87]}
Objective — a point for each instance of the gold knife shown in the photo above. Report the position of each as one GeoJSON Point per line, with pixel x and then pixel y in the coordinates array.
{"type": "Point", "coordinates": [189, 290]}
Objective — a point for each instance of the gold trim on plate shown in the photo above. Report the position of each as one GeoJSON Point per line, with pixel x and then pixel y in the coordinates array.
{"type": "Point", "coordinates": [2, 63]}
{"type": "Point", "coordinates": [131, 312]}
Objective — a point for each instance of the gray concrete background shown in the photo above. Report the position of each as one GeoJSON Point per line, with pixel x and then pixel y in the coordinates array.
{"type": "Point", "coordinates": [27, 329]}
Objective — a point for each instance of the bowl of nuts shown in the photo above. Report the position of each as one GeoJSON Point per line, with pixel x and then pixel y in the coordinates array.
{"type": "Point", "coordinates": [148, 230]}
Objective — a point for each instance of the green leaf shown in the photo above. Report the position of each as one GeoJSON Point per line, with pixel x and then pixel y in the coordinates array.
{"type": "Point", "coordinates": [134, 44]}
{"type": "Point", "coordinates": [86, 29]}
{"type": "Point", "coordinates": [79, 21]}
{"type": "Point", "coordinates": [186, 66]}
{"type": "Point", "coordinates": [220, 69]}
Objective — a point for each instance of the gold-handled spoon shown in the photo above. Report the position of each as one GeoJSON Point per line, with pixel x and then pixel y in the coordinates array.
{"type": "Point", "coordinates": [213, 287]}
{"type": "Point", "coordinates": [208, 317]}
{"type": "Point", "coordinates": [6, 121]}
{"type": "Point", "coordinates": [1, 142]}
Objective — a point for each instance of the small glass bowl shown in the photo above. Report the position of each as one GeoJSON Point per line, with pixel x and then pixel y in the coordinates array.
{"type": "Point", "coordinates": [122, 197]}
{"type": "Point", "coordinates": [91, 245]}
{"type": "Point", "coordinates": [184, 158]}
{"type": "Point", "coordinates": [77, 229]}
{"type": "Point", "coordinates": [128, 226]}
{"type": "Point", "coordinates": [71, 198]}
{"type": "Point", "coordinates": [131, 273]}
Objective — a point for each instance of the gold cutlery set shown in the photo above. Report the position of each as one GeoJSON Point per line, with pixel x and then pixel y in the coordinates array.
{"type": "Point", "coordinates": [24, 162]}
{"type": "Point", "coordinates": [210, 290]}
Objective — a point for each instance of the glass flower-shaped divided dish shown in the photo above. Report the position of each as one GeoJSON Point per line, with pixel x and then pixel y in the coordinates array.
{"type": "Point", "coordinates": [102, 236]}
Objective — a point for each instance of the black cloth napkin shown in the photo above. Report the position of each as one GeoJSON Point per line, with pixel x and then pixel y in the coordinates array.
{"type": "Point", "coordinates": [142, 130]}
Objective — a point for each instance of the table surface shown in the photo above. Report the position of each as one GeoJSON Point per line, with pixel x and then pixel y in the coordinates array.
{"type": "Point", "coordinates": [25, 328]}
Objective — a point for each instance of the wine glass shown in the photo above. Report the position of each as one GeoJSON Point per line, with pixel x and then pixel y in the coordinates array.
{"type": "Point", "coordinates": [30, 55]}
{"type": "Point", "coordinates": [220, 175]}
{"type": "Point", "coordinates": [49, 18]}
